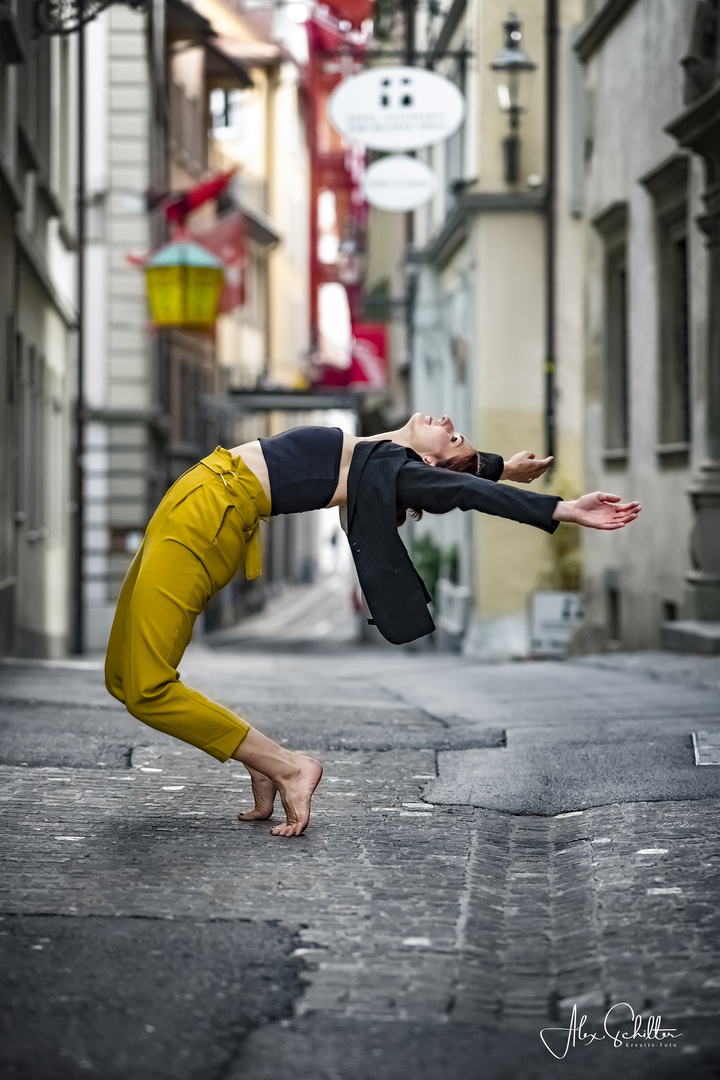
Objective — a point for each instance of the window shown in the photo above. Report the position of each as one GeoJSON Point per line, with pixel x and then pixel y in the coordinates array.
{"type": "Point", "coordinates": [667, 186]}
{"type": "Point", "coordinates": [226, 110]}
{"type": "Point", "coordinates": [455, 145]}
{"type": "Point", "coordinates": [612, 226]}
{"type": "Point", "coordinates": [616, 356]}
{"type": "Point", "coordinates": [674, 414]}
{"type": "Point", "coordinates": [31, 463]}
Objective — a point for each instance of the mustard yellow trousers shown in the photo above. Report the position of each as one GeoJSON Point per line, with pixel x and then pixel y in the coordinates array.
{"type": "Point", "coordinates": [204, 529]}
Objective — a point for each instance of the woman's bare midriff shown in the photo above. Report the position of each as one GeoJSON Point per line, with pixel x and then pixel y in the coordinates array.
{"type": "Point", "coordinates": [251, 453]}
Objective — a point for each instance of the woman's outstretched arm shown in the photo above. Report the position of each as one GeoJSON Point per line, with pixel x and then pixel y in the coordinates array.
{"type": "Point", "coordinates": [439, 490]}
{"type": "Point", "coordinates": [599, 510]}
{"type": "Point", "coordinates": [524, 467]}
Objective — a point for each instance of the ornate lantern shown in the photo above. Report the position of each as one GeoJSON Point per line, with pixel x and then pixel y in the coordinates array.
{"type": "Point", "coordinates": [509, 65]}
{"type": "Point", "coordinates": [184, 283]}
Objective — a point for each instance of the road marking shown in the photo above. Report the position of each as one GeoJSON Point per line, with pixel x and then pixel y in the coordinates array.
{"type": "Point", "coordinates": [664, 892]}
{"type": "Point", "coordinates": [652, 851]}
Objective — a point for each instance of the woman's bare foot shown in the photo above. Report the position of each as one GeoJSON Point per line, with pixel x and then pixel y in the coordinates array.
{"type": "Point", "coordinates": [296, 793]}
{"type": "Point", "coordinates": [294, 775]}
{"type": "Point", "coordinates": [264, 794]}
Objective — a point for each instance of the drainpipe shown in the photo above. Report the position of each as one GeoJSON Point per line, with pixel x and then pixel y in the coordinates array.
{"type": "Point", "coordinates": [551, 96]}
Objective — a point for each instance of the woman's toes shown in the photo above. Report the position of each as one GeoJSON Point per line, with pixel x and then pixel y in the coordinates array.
{"type": "Point", "coordinates": [264, 793]}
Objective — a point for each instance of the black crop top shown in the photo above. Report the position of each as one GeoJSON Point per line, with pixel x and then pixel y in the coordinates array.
{"type": "Point", "coordinates": [303, 467]}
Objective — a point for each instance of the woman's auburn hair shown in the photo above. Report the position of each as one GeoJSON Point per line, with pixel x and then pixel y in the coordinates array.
{"type": "Point", "coordinates": [472, 462]}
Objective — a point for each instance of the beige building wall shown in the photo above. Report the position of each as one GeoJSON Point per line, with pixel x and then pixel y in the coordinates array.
{"type": "Point", "coordinates": [496, 232]}
{"type": "Point", "coordinates": [508, 392]}
{"type": "Point", "coordinates": [270, 334]}
{"type": "Point", "coordinates": [289, 171]}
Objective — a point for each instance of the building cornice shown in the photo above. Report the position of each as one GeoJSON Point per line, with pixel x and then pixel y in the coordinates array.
{"type": "Point", "coordinates": [454, 231]}
{"type": "Point", "coordinates": [699, 125]}
{"type": "Point", "coordinates": [597, 29]}
{"type": "Point", "coordinates": [259, 226]}
{"type": "Point", "coordinates": [613, 220]}
{"type": "Point", "coordinates": [110, 415]}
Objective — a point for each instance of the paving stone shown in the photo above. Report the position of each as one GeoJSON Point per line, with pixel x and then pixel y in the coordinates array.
{"type": "Point", "coordinates": [95, 996]}
{"type": "Point", "coordinates": [424, 933]}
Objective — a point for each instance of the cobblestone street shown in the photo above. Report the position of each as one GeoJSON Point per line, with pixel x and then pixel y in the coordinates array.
{"type": "Point", "coordinates": [491, 845]}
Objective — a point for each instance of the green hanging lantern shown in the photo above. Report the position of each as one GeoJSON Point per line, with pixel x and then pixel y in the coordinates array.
{"type": "Point", "coordinates": [184, 283]}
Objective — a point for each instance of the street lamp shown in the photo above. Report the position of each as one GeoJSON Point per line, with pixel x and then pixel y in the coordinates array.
{"type": "Point", "coordinates": [68, 16]}
{"type": "Point", "coordinates": [510, 64]}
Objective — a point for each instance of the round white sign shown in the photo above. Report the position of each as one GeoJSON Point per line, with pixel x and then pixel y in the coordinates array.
{"type": "Point", "coordinates": [399, 183]}
{"type": "Point", "coordinates": [396, 108]}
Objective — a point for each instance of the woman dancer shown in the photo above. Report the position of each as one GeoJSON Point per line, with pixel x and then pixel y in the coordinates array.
{"type": "Point", "coordinates": [206, 527]}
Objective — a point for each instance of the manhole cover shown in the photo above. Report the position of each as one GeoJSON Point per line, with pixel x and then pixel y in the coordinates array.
{"type": "Point", "coordinates": [706, 745]}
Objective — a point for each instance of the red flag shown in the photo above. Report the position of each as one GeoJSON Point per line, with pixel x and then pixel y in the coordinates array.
{"type": "Point", "coordinates": [179, 204]}
{"type": "Point", "coordinates": [227, 240]}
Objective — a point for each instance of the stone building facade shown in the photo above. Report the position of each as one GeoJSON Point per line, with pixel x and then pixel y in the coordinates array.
{"type": "Point", "coordinates": [652, 333]}
{"type": "Point", "coordinates": [38, 319]}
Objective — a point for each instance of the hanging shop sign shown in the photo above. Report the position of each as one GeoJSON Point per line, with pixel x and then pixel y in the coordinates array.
{"type": "Point", "coordinates": [399, 183]}
{"type": "Point", "coordinates": [396, 108]}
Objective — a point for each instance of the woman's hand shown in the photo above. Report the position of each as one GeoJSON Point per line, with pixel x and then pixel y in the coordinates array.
{"type": "Point", "coordinates": [525, 467]}
{"type": "Point", "coordinates": [598, 510]}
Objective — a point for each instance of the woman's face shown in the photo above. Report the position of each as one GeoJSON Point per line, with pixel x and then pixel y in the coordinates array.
{"type": "Point", "coordinates": [435, 439]}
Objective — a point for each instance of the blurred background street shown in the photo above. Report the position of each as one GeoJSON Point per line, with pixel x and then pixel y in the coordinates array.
{"type": "Point", "coordinates": [223, 218]}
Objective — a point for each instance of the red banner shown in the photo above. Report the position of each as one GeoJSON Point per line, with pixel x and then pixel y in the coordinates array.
{"type": "Point", "coordinates": [227, 240]}
{"type": "Point", "coordinates": [368, 368]}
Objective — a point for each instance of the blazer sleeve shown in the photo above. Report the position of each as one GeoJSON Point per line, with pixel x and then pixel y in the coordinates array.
{"type": "Point", "coordinates": [492, 465]}
{"type": "Point", "coordinates": [439, 490]}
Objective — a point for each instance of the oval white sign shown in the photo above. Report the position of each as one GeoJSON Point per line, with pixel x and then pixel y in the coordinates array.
{"type": "Point", "coordinates": [399, 183]}
{"type": "Point", "coordinates": [396, 108]}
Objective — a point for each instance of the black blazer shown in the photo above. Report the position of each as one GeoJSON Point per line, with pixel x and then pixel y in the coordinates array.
{"type": "Point", "coordinates": [385, 479]}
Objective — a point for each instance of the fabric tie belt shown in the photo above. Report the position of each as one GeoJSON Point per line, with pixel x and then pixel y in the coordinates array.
{"type": "Point", "coordinates": [242, 486]}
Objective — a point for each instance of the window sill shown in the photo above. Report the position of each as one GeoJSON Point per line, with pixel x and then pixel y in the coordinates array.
{"type": "Point", "coordinates": [618, 457]}
{"type": "Point", "coordinates": [672, 455]}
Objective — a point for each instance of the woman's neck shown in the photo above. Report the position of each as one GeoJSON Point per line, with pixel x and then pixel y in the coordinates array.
{"type": "Point", "coordinates": [399, 437]}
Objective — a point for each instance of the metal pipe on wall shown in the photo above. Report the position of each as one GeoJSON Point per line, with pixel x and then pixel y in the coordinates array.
{"type": "Point", "coordinates": [551, 96]}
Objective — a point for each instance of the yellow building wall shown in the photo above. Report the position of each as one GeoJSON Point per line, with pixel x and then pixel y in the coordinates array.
{"type": "Point", "coordinates": [508, 393]}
